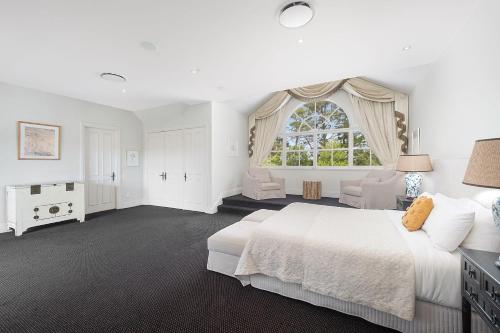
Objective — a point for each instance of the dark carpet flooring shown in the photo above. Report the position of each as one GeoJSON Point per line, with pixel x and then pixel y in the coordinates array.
{"type": "Point", "coordinates": [140, 270]}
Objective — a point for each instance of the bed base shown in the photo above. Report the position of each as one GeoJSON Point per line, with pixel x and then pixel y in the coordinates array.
{"type": "Point", "coordinates": [429, 317]}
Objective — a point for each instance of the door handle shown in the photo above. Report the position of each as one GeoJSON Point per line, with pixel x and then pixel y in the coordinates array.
{"type": "Point", "coordinates": [163, 175]}
{"type": "Point", "coordinates": [185, 177]}
{"type": "Point", "coordinates": [113, 176]}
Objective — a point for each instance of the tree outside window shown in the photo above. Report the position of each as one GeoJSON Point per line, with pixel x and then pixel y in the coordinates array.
{"type": "Point", "coordinates": [318, 134]}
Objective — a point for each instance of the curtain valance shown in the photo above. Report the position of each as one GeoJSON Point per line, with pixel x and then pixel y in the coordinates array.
{"type": "Point", "coordinates": [316, 91]}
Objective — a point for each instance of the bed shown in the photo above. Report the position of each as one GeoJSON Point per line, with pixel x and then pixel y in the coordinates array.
{"type": "Point", "coordinates": [360, 262]}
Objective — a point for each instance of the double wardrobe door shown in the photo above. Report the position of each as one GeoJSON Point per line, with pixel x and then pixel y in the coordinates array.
{"type": "Point", "coordinates": [176, 164]}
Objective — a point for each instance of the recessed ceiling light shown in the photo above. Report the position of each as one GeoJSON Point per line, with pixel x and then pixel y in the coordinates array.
{"type": "Point", "coordinates": [148, 46]}
{"type": "Point", "coordinates": [296, 14]}
{"type": "Point", "coordinates": [407, 48]}
{"type": "Point", "coordinates": [124, 90]}
{"type": "Point", "coordinates": [195, 71]}
{"type": "Point", "coordinates": [113, 77]}
{"type": "Point", "coordinates": [300, 41]}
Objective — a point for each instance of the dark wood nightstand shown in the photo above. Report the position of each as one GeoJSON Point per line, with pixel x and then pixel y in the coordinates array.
{"type": "Point", "coordinates": [403, 202]}
{"type": "Point", "coordinates": [480, 288]}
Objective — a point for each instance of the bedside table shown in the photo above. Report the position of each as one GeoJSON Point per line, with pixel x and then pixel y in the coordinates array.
{"type": "Point", "coordinates": [480, 288]}
{"type": "Point", "coordinates": [402, 202]}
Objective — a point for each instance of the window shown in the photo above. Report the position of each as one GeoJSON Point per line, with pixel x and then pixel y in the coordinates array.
{"type": "Point", "coordinates": [319, 134]}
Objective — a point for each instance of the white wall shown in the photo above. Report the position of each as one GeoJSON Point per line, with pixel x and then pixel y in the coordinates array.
{"type": "Point", "coordinates": [330, 178]}
{"type": "Point", "coordinates": [18, 103]}
{"type": "Point", "coordinates": [457, 103]}
{"type": "Point", "coordinates": [229, 151]}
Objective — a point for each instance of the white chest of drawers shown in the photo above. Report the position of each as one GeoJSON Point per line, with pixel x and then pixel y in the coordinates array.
{"type": "Point", "coordinates": [39, 204]}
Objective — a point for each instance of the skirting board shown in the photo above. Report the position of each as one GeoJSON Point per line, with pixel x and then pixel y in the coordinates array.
{"type": "Point", "coordinates": [4, 228]}
{"type": "Point", "coordinates": [133, 203]}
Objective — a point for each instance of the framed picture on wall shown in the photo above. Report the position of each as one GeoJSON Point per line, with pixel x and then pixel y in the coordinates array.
{"type": "Point", "coordinates": [38, 141]}
{"type": "Point", "coordinates": [132, 158]}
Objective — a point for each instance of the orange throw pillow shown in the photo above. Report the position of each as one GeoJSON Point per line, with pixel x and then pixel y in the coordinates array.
{"type": "Point", "coordinates": [417, 213]}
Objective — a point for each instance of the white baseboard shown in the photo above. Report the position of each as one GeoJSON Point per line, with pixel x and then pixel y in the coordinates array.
{"type": "Point", "coordinates": [213, 208]}
{"type": "Point", "coordinates": [4, 228]}
{"type": "Point", "coordinates": [132, 203]}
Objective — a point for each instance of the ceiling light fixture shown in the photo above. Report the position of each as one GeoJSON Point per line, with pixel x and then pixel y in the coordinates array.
{"type": "Point", "coordinates": [296, 14]}
{"type": "Point", "coordinates": [148, 46]}
{"type": "Point", "coordinates": [113, 77]}
{"type": "Point", "coordinates": [407, 48]}
{"type": "Point", "coordinates": [124, 90]}
{"type": "Point", "coordinates": [195, 71]}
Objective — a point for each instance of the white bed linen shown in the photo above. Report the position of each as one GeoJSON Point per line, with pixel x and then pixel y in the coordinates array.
{"type": "Point", "coordinates": [350, 254]}
{"type": "Point", "coordinates": [437, 272]}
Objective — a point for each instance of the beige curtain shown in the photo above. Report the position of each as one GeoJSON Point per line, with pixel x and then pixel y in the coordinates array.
{"type": "Point", "coordinates": [266, 131]}
{"type": "Point", "coordinates": [268, 119]}
{"type": "Point", "coordinates": [273, 105]}
{"type": "Point", "coordinates": [378, 124]}
{"type": "Point", "coordinates": [316, 91]}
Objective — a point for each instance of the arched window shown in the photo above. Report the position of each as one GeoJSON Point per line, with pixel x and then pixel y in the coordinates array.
{"type": "Point", "coordinates": [320, 134]}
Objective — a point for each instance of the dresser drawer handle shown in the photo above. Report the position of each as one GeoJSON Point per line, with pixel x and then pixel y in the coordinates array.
{"type": "Point", "coordinates": [471, 294]}
{"type": "Point", "coordinates": [493, 318]}
{"type": "Point", "coordinates": [472, 273]}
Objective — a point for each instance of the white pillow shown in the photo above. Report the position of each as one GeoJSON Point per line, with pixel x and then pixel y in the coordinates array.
{"type": "Point", "coordinates": [448, 223]}
{"type": "Point", "coordinates": [484, 235]}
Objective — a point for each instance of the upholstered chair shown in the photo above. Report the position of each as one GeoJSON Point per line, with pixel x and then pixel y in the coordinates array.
{"type": "Point", "coordinates": [378, 190]}
{"type": "Point", "coordinates": [259, 184]}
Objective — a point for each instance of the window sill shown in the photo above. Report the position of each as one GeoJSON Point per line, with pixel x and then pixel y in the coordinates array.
{"type": "Point", "coordinates": [348, 168]}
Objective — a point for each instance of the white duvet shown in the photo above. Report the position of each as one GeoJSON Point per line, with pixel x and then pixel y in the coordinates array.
{"type": "Point", "coordinates": [361, 256]}
{"type": "Point", "coordinates": [437, 272]}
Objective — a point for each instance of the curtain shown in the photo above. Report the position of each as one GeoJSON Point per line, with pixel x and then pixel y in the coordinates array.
{"type": "Point", "coordinates": [378, 124]}
{"type": "Point", "coordinates": [266, 131]}
{"type": "Point", "coordinates": [316, 91]}
{"type": "Point", "coordinates": [374, 105]}
{"type": "Point", "coordinates": [273, 105]}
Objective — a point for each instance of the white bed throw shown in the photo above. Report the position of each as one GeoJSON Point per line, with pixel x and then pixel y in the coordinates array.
{"type": "Point", "coordinates": [350, 254]}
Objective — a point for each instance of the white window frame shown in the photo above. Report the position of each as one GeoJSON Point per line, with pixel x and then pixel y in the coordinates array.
{"type": "Point", "coordinates": [315, 133]}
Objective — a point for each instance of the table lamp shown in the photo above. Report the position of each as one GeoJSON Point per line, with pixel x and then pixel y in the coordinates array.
{"type": "Point", "coordinates": [483, 170]}
{"type": "Point", "coordinates": [413, 164]}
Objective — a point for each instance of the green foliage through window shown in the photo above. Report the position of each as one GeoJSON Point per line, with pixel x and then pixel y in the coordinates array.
{"type": "Point", "coordinates": [319, 134]}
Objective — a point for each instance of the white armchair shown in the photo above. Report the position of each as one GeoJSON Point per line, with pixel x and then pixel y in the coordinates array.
{"type": "Point", "coordinates": [378, 190]}
{"type": "Point", "coordinates": [259, 184]}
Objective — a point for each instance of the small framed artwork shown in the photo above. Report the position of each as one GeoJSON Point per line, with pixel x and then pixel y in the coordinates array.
{"type": "Point", "coordinates": [38, 141]}
{"type": "Point", "coordinates": [415, 141]}
{"type": "Point", "coordinates": [132, 158]}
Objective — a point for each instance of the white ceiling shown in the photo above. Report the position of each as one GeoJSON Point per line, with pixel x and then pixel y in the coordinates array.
{"type": "Point", "coordinates": [61, 46]}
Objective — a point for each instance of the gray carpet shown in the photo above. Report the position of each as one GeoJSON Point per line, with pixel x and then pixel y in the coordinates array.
{"type": "Point", "coordinates": [140, 270]}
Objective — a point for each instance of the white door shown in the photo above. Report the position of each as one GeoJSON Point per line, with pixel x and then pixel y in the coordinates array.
{"type": "Point", "coordinates": [100, 169]}
{"type": "Point", "coordinates": [174, 169]}
{"type": "Point", "coordinates": [156, 169]}
{"type": "Point", "coordinates": [194, 169]}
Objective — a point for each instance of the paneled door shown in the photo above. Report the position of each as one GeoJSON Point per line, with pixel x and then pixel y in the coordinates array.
{"type": "Point", "coordinates": [194, 170]}
{"type": "Point", "coordinates": [100, 169]}
{"type": "Point", "coordinates": [174, 169]}
{"type": "Point", "coordinates": [156, 169]}
{"type": "Point", "coordinates": [176, 164]}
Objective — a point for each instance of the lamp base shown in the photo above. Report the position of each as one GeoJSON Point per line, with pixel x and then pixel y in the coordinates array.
{"type": "Point", "coordinates": [413, 184]}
